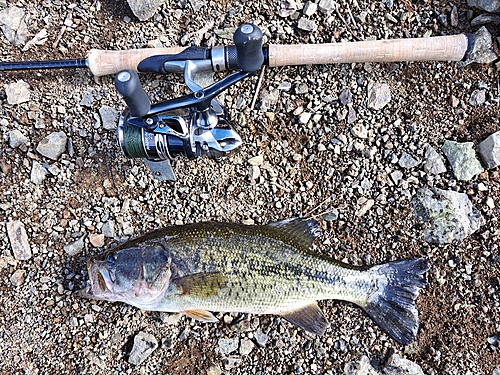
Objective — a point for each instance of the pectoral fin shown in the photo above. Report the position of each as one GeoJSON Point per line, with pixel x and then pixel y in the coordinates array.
{"type": "Point", "coordinates": [200, 285]}
{"type": "Point", "coordinates": [310, 318]}
{"type": "Point", "coordinates": [201, 315]}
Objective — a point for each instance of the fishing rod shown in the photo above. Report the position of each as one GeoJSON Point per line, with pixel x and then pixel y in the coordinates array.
{"type": "Point", "coordinates": [194, 125]}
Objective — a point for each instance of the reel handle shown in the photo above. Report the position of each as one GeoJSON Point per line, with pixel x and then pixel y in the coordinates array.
{"type": "Point", "coordinates": [127, 83]}
{"type": "Point", "coordinates": [248, 42]}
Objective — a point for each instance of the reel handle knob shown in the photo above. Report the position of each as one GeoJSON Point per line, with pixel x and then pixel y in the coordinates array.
{"type": "Point", "coordinates": [127, 83]}
{"type": "Point", "coordinates": [248, 41]}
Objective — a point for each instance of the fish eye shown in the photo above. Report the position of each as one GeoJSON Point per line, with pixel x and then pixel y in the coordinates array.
{"type": "Point", "coordinates": [111, 258]}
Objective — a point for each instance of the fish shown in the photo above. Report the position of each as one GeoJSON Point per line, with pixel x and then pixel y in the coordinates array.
{"type": "Point", "coordinates": [207, 267]}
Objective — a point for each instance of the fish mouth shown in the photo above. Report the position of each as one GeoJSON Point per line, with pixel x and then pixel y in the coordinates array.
{"type": "Point", "coordinates": [99, 280]}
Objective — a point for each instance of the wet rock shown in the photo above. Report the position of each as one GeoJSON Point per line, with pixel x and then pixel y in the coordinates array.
{"type": "Point", "coordinates": [53, 145]}
{"type": "Point", "coordinates": [18, 238]}
{"type": "Point", "coordinates": [306, 24]}
{"type": "Point", "coordinates": [433, 163]}
{"type": "Point", "coordinates": [482, 52]}
{"type": "Point", "coordinates": [38, 173]}
{"type": "Point", "coordinates": [462, 158]}
{"type": "Point", "coordinates": [489, 150]}
{"type": "Point", "coordinates": [18, 92]}
{"type": "Point", "coordinates": [227, 346]}
{"type": "Point", "coordinates": [144, 9]}
{"type": "Point", "coordinates": [75, 247]}
{"type": "Point", "coordinates": [13, 25]}
{"type": "Point", "coordinates": [379, 95]}
{"type": "Point", "coordinates": [407, 161]}
{"type": "Point", "coordinates": [144, 345]}
{"type": "Point", "coordinates": [477, 97]}
{"type": "Point", "coordinates": [16, 138]}
{"type": "Point", "coordinates": [449, 216]}
{"type": "Point", "coordinates": [108, 117]}
{"type": "Point", "coordinates": [17, 278]}
{"type": "Point", "coordinates": [491, 6]}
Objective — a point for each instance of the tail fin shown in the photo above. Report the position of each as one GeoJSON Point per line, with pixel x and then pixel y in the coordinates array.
{"type": "Point", "coordinates": [392, 304]}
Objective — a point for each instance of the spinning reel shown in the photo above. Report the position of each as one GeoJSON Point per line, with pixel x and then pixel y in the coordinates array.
{"type": "Point", "coordinates": [192, 125]}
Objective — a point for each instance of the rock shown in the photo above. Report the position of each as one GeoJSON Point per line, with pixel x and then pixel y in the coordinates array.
{"type": "Point", "coordinates": [332, 215]}
{"type": "Point", "coordinates": [75, 247]}
{"type": "Point", "coordinates": [304, 118]}
{"type": "Point", "coordinates": [477, 97]}
{"type": "Point", "coordinates": [13, 25]}
{"type": "Point", "coordinates": [246, 346]}
{"type": "Point", "coordinates": [306, 24]}
{"type": "Point", "coordinates": [53, 145]}
{"type": "Point", "coordinates": [87, 100]}
{"type": "Point", "coordinates": [449, 216]}
{"type": "Point", "coordinates": [261, 338]}
{"type": "Point", "coordinates": [401, 366]}
{"type": "Point", "coordinates": [365, 207]}
{"type": "Point", "coordinates": [144, 345]}
{"type": "Point", "coordinates": [482, 51]}
{"type": "Point", "coordinates": [108, 229]}
{"type": "Point", "coordinates": [254, 172]}
{"type": "Point", "coordinates": [326, 6]}
{"type": "Point", "coordinates": [227, 346]}
{"type": "Point", "coordinates": [351, 115]}
{"type": "Point", "coordinates": [144, 9]}
{"type": "Point", "coordinates": [17, 278]}
{"type": "Point", "coordinates": [489, 150]}
{"type": "Point", "coordinates": [97, 240]}
{"type": "Point", "coordinates": [309, 8]}
{"type": "Point", "coordinates": [16, 138]}
{"type": "Point", "coordinates": [407, 161]}
{"type": "Point", "coordinates": [38, 173]}
{"type": "Point", "coordinates": [256, 160]}
{"type": "Point", "coordinates": [18, 240]}
{"type": "Point", "coordinates": [496, 370]}
{"type": "Point", "coordinates": [462, 159]}
{"type": "Point", "coordinates": [485, 19]}
{"type": "Point", "coordinates": [359, 131]}
{"type": "Point", "coordinates": [108, 117]}
{"type": "Point", "coordinates": [18, 92]}
{"type": "Point", "coordinates": [379, 94]}
{"type": "Point", "coordinates": [231, 362]}
{"type": "Point", "coordinates": [345, 97]}
{"type": "Point", "coordinates": [433, 162]}
{"type": "Point", "coordinates": [490, 6]}
{"type": "Point", "coordinates": [360, 367]}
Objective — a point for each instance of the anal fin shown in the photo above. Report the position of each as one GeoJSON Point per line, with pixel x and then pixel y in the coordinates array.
{"type": "Point", "coordinates": [201, 315]}
{"type": "Point", "coordinates": [310, 318]}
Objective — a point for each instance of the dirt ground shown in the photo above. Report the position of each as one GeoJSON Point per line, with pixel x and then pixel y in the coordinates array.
{"type": "Point", "coordinates": [46, 328]}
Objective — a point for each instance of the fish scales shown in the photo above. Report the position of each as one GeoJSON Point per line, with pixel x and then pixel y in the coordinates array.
{"type": "Point", "coordinates": [198, 268]}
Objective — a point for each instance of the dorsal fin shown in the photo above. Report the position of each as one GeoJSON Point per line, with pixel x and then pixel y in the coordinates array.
{"type": "Point", "coordinates": [298, 232]}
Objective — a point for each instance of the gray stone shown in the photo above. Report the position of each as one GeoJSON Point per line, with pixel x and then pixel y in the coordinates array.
{"type": "Point", "coordinates": [477, 97]}
{"type": "Point", "coordinates": [307, 24]}
{"type": "Point", "coordinates": [16, 138]}
{"type": "Point", "coordinates": [448, 216]}
{"type": "Point", "coordinates": [433, 162]}
{"type": "Point", "coordinates": [360, 367]}
{"type": "Point", "coordinates": [482, 51]}
{"type": "Point", "coordinates": [379, 95]}
{"type": "Point", "coordinates": [144, 9]}
{"type": "Point", "coordinates": [326, 6]}
{"type": "Point", "coordinates": [254, 172]}
{"type": "Point", "coordinates": [38, 173]}
{"type": "Point", "coordinates": [401, 366]}
{"type": "Point", "coordinates": [261, 337]}
{"type": "Point", "coordinates": [462, 159]}
{"type": "Point", "coordinates": [485, 19]}
{"type": "Point", "coordinates": [407, 161]}
{"type": "Point", "coordinates": [309, 8]}
{"type": "Point", "coordinates": [18, 240]}
{"type": "Point", "coordinates": [144, 345]}
{"type": "Point", "coordinates": [53, 145]}
{"type": "Point", "coordinates": [13, 25]}
{"type": "Point", "coordinates": [87, 99]}
{"type": "Point", "coordinates": [17, 93]}
{"type": "Point", "coordinates": [491, 6]}
{"type": "Point", "coordinates": [489, 150]}
{"type": "Point", "coordinates": [75, 247]}
{"type": "Point", "coordinates": [345, 97]}
{"type": "Point", "coordinates": [332, 215]}
{"type": "Point", "coordinates": [108, 229]}
{"type": "Point", "coordinates": [246, 346]}
{"type": "Point", "coordinates": [227, 346]}
{"type": "Point", "coordinates": [108, 117]}
{"type": "Point", "coordinates": [17, 278]}
{"type": "Point", "coordinates": [496, 370]}
{"type": "Point", "coordinates": [162, 169]}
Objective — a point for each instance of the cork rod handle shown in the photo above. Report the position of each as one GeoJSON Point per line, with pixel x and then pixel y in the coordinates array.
{"type": "Point", "coordinates": [439, 48]}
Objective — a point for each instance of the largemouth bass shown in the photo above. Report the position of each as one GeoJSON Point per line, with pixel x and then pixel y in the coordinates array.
{"type": "Point", "coordinates": [268, 269]}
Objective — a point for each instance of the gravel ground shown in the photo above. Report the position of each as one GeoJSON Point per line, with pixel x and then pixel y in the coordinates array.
{"type": "Point", "coordinates": [316, 158]}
